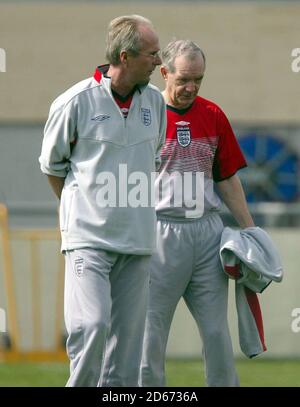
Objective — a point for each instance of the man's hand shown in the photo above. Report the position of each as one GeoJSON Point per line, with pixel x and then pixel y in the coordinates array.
{"type": "Point", "coordinates": [57, 184]}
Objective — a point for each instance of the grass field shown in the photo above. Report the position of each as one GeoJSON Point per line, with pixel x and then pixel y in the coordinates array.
{"type": "Point", "coordinates": [185, 373]}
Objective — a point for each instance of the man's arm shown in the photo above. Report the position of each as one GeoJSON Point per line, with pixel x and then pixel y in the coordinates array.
{"type": "Point", "coordinates": [232, 193]}
{"type": "Point", "coordinates": [59, 136]}
{"type": "Point", "coordinates": [57, 184]}
{"type": "Point", "coordinates": [162, 133]}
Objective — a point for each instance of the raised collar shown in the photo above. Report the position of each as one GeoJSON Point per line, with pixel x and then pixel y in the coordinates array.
{"type": "Point", "coordinates": [101, 71]}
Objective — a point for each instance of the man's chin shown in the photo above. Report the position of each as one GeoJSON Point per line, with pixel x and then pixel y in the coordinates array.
{"type": "Point", "coordinates": [144, 83]}
{"type": "Point", "coordinates": [186, 102]}
{"type": "Point", "coordinates": [185, 105]}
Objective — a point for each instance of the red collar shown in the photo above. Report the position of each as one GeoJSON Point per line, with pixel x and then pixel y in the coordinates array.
{"type": "Point", "coordinates": [100, 71]}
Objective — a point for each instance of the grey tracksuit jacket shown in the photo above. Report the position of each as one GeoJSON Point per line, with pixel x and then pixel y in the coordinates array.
{"type": "Point", "coordinates": [103, 158]}
{"type": "Point", "coordinates": [250, 257]}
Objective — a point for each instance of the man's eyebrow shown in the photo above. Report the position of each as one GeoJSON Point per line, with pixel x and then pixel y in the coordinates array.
{"type": "Point", "coordinates": [186, 77]}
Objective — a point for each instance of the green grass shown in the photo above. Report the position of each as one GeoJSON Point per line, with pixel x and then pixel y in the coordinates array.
{"type": "Point", "coordinates": [252, 373]}
{"type": "Point", "coordinates": [185, 373]}
{"type": "Point", "coordinates": [33, 374]}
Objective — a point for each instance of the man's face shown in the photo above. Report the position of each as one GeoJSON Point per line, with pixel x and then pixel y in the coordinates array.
{"type": "Point", "coordinates": [183, 84]}
{"type": "Point", "coordinates": [141, 66]}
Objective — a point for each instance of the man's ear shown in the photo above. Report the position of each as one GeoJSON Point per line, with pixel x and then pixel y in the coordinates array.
{"type": "Point", "coordinates": [124, 57]}
{"type": "Point", "coordinates": [164, 72]}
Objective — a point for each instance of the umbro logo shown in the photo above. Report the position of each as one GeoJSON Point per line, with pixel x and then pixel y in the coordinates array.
{"type": "Point", "coordinates": [182, 123]}
{"type": "Point", "coordinates": [101, 118]}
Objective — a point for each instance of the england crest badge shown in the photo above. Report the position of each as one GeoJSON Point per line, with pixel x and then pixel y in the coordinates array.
{"type": "Point", "coordinates": [183, 133]}
{"type": "Point", "coordinates": [146, 116]}
{"type": "Point", "coordinates": [79, 266]}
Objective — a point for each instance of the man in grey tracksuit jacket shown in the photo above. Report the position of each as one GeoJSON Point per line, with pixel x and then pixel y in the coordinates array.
{"type": "Point", "coordinates": [100, 150]}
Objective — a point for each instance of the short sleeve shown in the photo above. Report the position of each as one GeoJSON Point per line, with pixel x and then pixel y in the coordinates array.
{"type": "Point", "coordinates": [229, 157]}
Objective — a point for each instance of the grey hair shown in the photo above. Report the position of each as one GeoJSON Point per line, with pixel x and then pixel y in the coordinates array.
{"type": "Point", "coordinates": [124, 35]}
{"type": "Point", "coordinates": [177, 48]}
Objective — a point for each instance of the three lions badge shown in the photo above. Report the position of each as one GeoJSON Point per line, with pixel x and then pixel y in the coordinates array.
{"type": "Point", "coordinates": [183, 133]}
{"type": "Point", "coordinates": [146, 116]}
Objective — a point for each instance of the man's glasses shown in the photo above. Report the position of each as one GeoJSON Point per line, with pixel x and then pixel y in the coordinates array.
{"type": "Point", "coordinates": [153, 55]}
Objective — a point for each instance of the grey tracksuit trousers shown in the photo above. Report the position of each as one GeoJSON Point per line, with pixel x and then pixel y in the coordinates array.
{"type": "Point", "coordinates": [186, 264]}
{"type": "Point", "coordinates": [105, 309]}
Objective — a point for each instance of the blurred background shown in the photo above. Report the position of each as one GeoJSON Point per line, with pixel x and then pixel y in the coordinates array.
{"type": "Point", "coordinates": [46, 47]}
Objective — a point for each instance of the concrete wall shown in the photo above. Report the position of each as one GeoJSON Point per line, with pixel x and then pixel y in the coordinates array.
{"type": "Point", "coordinates": [50, 46]}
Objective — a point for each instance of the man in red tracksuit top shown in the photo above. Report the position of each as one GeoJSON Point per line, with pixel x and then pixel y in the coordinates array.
{"type": "Point", "coordinates": [200, 153]}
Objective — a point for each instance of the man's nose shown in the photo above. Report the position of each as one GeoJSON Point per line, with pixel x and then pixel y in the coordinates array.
{"type": "Point", "coordinates": [158, 60]}
{"type": "Point", "coordinates": [190, 87]}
